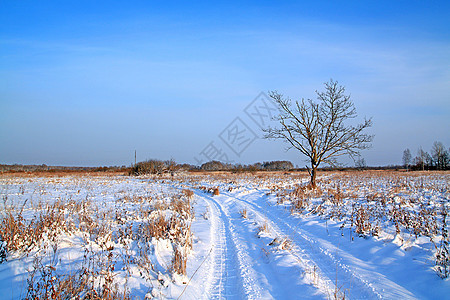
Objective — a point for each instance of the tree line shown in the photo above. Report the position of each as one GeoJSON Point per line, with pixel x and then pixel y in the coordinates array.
{"type": "Point", "coordinates": [437, 159]}
{"type": "Point", "coordinates": [278, 165]}
{"type": "Point", "coordinates": [154, 166]}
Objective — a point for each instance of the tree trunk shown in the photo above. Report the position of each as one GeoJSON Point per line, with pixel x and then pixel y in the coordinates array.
{"type": "Point", "coordinates": [313, 174]}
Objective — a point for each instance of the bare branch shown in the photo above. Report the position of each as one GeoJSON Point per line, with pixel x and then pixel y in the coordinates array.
{"type": "Point", "coordinates": [318, 129]}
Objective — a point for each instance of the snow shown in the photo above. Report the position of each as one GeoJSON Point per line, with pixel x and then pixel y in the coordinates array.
{"type": "Point", "coordinates": [274, 252]}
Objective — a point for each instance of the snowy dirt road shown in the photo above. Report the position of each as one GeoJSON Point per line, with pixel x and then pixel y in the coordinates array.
{"type": "Point", "coordinates": [250, 264]}
{"type": "Point", "coordinates": [242, 237]}
{"type": "Point", "coordinates": [246, 266]}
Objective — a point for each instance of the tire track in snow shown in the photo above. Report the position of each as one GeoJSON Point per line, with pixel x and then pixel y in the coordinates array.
{"type": "Point", "coordinates": [350, 269]}
{"type": "Point", "coordinates": [263, 269]}
{"type": "Point", "coordinates": [241, 259]}
{"type": "Point", "coordinates": [308, 267]}
{"type": "Point", "coordinates": [225, 281]}
{"type": "Point", "coordinates": [256, 277]}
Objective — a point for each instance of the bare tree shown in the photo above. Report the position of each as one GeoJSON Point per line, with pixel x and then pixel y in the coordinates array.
{"type": "Point", "coordinates": [318, 129]}
{"type": "Point", "coordinates": [420, 158]}
{"type": "Point", "coordinates": [278, 165]}
{"type": "Point", "coordinates": [407, 158]}
{"type": "Point", "coordinates": [360, 163]}
{"type": "Point", "coordinates": [428, 160]}
{"type": "Point", "coordinates": [440, 155]}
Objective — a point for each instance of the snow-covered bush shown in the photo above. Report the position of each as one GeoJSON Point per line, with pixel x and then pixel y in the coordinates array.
{"type": "Point", "coordinates": [154, 166]}
{"type": "Point", "coordinates": [443, 255]}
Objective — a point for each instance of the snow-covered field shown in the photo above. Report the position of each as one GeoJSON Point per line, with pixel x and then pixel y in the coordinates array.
{"type": "Point", "coordinates": [360, 235]}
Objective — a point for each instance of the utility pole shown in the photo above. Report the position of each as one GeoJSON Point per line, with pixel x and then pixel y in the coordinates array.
{"type": "Point", "coordinates": [134, 157]}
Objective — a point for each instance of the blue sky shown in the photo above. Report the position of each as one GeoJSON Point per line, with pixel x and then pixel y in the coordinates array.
{"type": "Point", "coordinates": [84, 83]}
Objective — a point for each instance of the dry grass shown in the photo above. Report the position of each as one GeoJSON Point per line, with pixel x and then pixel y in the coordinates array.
{"type": "Point", "coordinates": [211, 190]}
{"type": "Point", "coordinates": [149, 215]}
{"type": "Point", "coordinates": [189, 194]}
{"type": "Point", "coordinates": [373, 202]}
{"type": "Point", "coordinates": [20, 234]}
{"type": "Point", "coordinates": [179, 261]}
{"type": "Point", "coordinates": [366, 203]}
{"type": "Point", "coordinates": [264, 228]}
{"type": "Point", "coordinates": [45, 283]}
{"type": "Point", "coordinates": [283, 243]}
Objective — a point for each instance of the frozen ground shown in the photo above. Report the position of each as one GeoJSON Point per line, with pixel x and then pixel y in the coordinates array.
{"type": "Point", "coordinates": [360, 236]}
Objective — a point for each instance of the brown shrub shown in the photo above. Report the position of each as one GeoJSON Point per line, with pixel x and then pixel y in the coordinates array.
{"type": "Point", "coordinates": [182, 206]}
{"type": "Point", "coordinates": [21, 235]}
{"type": "Point", "coordinates": [80, 285]}
{"type": "Point", "coordinates": [179, 261]}
{"type": "Point", "coordinates": [158, 228]}
{"type": "Point", "coordinates": [188, 193]}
